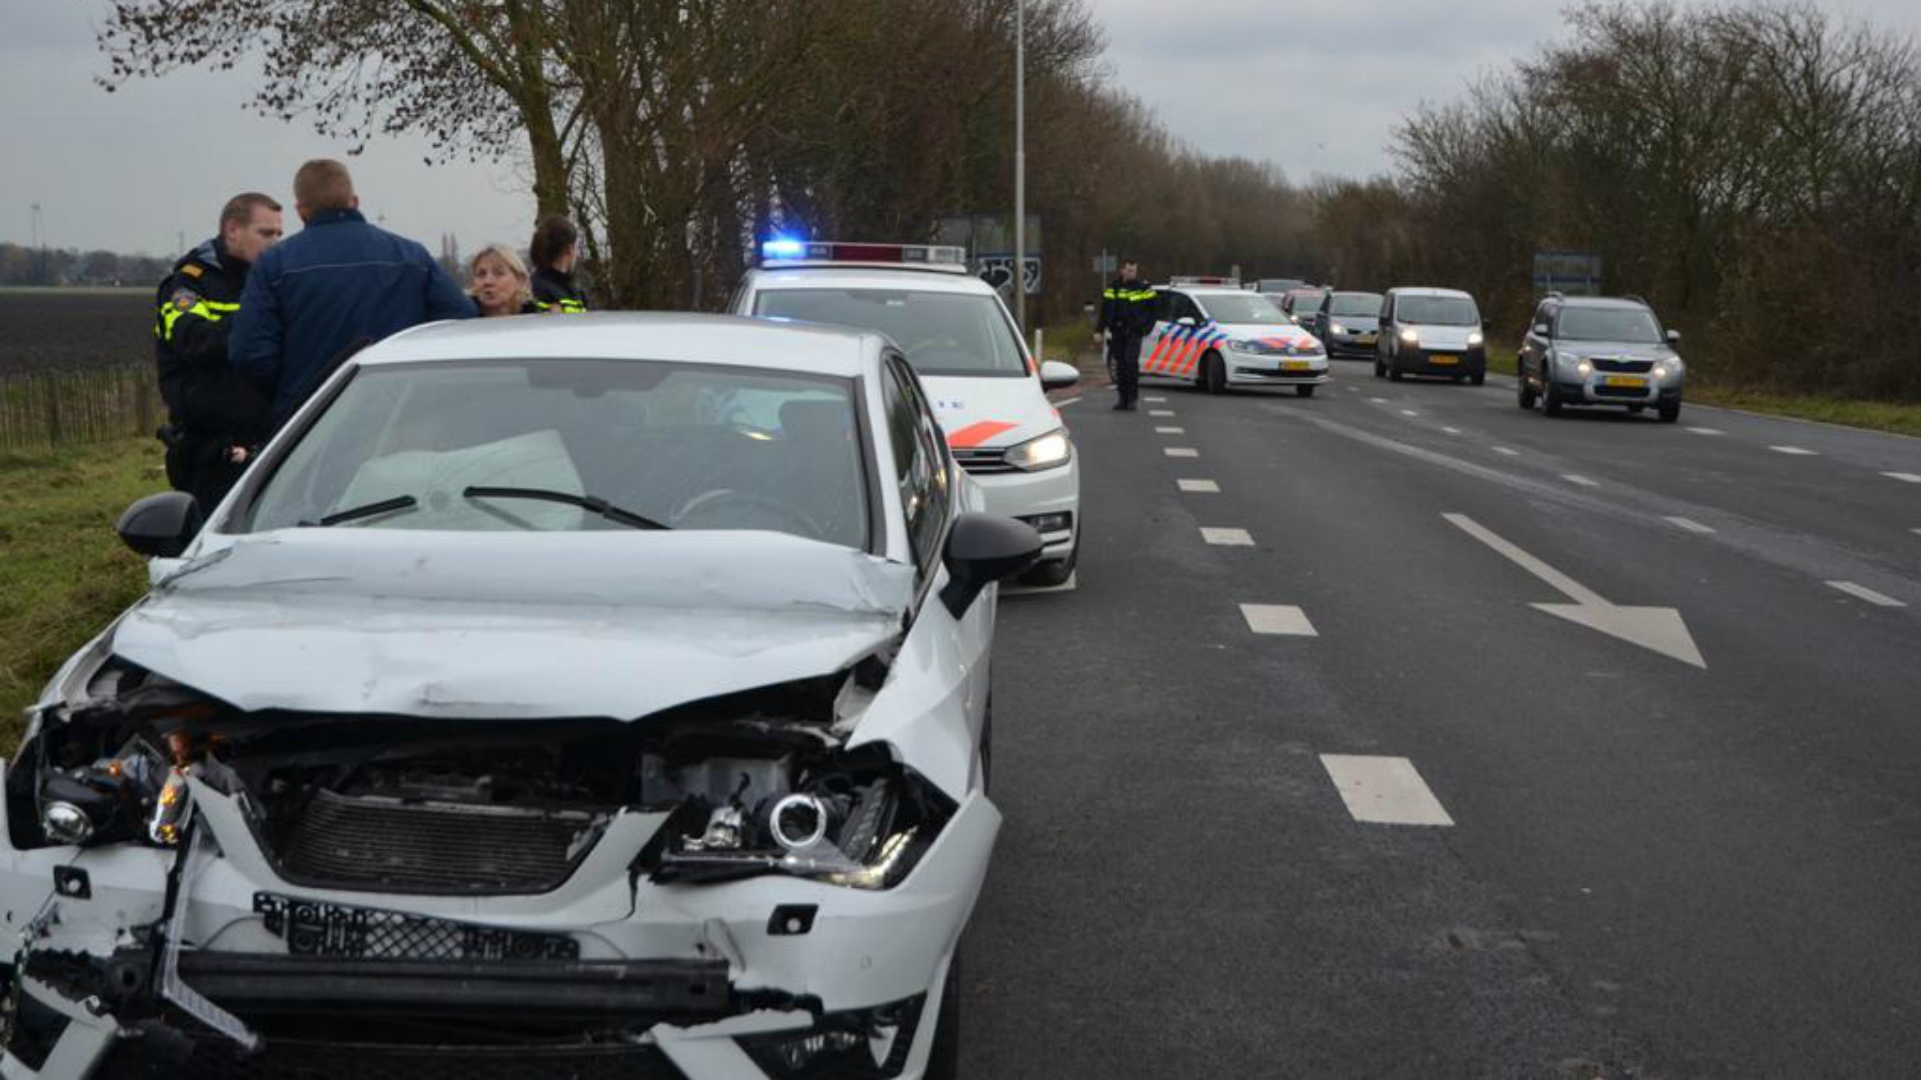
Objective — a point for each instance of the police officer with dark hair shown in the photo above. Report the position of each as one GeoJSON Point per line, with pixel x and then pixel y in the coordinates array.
{"type": "Point", "coordinates": [554, 251]}
{"type": "Point", "coordinates": [1127, 314]}
{"type": "Point", "coordinates": [216, 416]}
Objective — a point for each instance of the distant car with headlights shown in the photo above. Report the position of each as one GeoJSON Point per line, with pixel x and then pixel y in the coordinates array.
{"type": "Point", "coordinates": [1302, 305]}
{"type": "Point", "coordinates": [584, 697]}
{"type": "Point", "coordinates": [1583, 350]}
{"type": "Point", "coordinates": [1211, 332]}
{"type": "Point", "coordinates": [986, 387]}
{"type": "Point", "coordinates": [1349, 324]}
{"type": "Point", "coordinates": [1431, 332]}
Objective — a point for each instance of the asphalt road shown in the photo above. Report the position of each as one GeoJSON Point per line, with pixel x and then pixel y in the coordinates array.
{"type": "Point", "coordinates": [1602, 858]}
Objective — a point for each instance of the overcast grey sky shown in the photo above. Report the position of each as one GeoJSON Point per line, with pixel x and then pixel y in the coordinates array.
{"type": "Point", "coordinates": [1312, 85]}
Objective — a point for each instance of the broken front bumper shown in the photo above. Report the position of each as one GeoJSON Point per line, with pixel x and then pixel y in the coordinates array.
{"type": "Point", "coordinates": [608, 974]}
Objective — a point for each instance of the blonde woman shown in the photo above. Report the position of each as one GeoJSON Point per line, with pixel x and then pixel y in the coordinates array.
{"type": "Point", "coordinates": [499, 282]}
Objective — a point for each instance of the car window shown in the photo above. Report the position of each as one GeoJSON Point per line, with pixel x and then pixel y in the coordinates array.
{"type": "Point", "coordinates": [1304, 303]}
{"type": "Point", "coordinates": [942, 333]}
{"type": "Point", "coordinates": [1632, 325]}
{"type": "Point", "coordinates": [1184, 307]}
{"type": "Point", "coordinates": [692, 447]}
{"type": "Point", "coordinates": [1352, 304]}
{"type": "Point", "coordinates": [1438, 311]}
{"type": "Point", "coordinates": [1543, 315]}
{"type": "Point", "coordinates": [919, 464]}
{"type": "Point", "coordinates": [1244, 308]}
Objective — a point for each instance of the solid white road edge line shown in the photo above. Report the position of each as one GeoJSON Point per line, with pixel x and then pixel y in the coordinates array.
{"type": "Point", "coordinates": [1690, 525]}
{"type": "Point", "coordinates": [1657, 629]}
{"type": "Point", "coordinates": [1384, 790]}
{"type": "Point", "coordinates": [1227, 537]}
{"type": "Point", "coordinates": [1278, 619]}
{"type": "Point", "coordinates": [1181, 451]}
{"type": "Point", "coordinates": [1862, 592]}
{"type": "Point", "coordinates": [1202, 486]}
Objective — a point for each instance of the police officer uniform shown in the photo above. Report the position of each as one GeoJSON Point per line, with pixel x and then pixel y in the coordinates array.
{"type": "Point", "coordinates": [555, 291]}
{"type": "Point", "coordinates": [1127, 314]}
{"type": "Point", "coordinates": [211, 408]}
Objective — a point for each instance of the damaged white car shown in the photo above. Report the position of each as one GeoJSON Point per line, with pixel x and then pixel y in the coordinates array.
{"type": "Point", "coordinates": [593, 697]}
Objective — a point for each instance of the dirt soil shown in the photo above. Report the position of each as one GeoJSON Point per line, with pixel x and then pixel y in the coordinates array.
{"type": "Point", "coordinates": [70, 329]}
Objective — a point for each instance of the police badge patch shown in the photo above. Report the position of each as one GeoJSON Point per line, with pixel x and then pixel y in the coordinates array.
{"type": "Point", "coordinates": [184, 300]}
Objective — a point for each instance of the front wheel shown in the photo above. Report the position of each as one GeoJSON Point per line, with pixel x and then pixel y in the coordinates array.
{"type": "Point", "coordinates": [1551, 400]}
{"type": "Point", "coordinates": [1479, 378]}
{"type": "Point", "coordinates": [1380, 369]}
{"type": "Point", "coordinates": [1213, 374]}
{"type": "Point", "coordinates": [1670, 412]}
{"type": "Point", "coordinates": [1526, 394]}
{"type": "Point", "coordinates": [1054, 572]}
{"type": "Point", "coordinates": [1303, 391]}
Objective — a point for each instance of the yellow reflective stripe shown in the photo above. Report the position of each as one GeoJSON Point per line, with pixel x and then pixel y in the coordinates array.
{"type": "Point", "coordinates": [572, 306]}
{"type": "Point", "coordinates": [206, 309]}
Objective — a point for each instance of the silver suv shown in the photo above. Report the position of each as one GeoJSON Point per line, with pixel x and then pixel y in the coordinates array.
{"type": "Point", "coordinates": [1590, 350]}
{"type": "Point", "coordinates": [1431, 332]}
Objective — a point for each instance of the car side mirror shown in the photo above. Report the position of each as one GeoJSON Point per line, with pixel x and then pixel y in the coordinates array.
{"type": "Point", "coordinates": [1185, 320]}
{"type": "Point", "coordinates": [1058, 376]}
{"type": "Point", "coordinates": [1540, 329]}
{"type": "Point", "coordinates": [1674, 337]}
{"type": "Point", "coordinates": [1487, 324]}
{"type": "Point", "coordinates": [161, 526]}
{"type": "Point", "coordinates": [983, 549]}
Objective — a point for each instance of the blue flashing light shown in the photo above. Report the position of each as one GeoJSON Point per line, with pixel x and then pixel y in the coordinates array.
{"type": "Point", "coordinates": [782, 247]}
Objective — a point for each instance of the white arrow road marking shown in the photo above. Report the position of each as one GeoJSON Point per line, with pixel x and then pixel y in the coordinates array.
{"type": "Point", "coordinates": [1170, 431]}
{"type": "Point", "coordinates": [1202, 486]}
{"type": "Point", "coordinates": [1160, 412]}
{"type": "Point", "coordinates": [1384, 790]}
{"type": "Point", "coordinates": [1706, 430]}
{"type": "Point", "coordinates": [1227, 537]}
{"type": "Point", "coordinates": [1862, 592]}
{"type": "Point", "coordinates": [1659, 629]}
{"type": "Point", "coordinates": [1794, 450]}
{"type": "Point", "coordinates": [1690, 525]}
{"type": "Point", "coordinates": [1909, 477]}
{"type": "Point", "coordinates": [1277, 619]}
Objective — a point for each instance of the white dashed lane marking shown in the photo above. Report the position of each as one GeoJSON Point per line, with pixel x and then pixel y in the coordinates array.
{"type": "Point", "coordinates": [1509, 451]}
{"type": "Point", "coordinates": [1064, 402]}
{"type": "Point", "coordinates": [1409, 412]}
{"type": "Point", "coordinates": [1689, 525]}
{"type": "Point", "coordinates": [1906, 477]}
{"type": "Point", "coordinates": [1384, 790]}
{"type": "Point", "coordinates": [1181, 451]}
{"type": "Point", "coordinates": [1227, 537]}
{"type": "Point", "coordinates": [1154, 400]}
{"type": "Point", "coordinates": [1378, 400]}
{"type": "Point", "coordinates": [1862, 592]}
{"type": "Point", "coordinates": [1277, 619]}
{"type": "Point", "coordinates": [1160, 412]}
{"type": "Point", "coordinates": [1203, 486]}
{"type": "Point", "coordinates": [1705, 430]}
{"type": "Point", "coordinates": [1452, 431]}
{"type": "Point", "coordinates": [1576, 478]}
{"type": "Point", "coordinates": [1170, 431]}
{"type": "Point", "coordinates": [1793, 450]}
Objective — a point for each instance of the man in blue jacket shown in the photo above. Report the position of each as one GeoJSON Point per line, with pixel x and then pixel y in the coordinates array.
{"type": "Point", "coordinates": [339, 285]}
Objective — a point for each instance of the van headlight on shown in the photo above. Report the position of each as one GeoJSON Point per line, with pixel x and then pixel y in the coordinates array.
{"type": "Point", "coordinates": [1409, 337]}
{"type": "Point", "coordinates": [1049, 451]}
{"type": "Point", "coordinates": [1474, 338]}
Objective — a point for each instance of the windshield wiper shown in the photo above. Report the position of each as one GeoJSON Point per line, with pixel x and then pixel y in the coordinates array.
{"type": "Point", "coordinates": [590, 503]}
{"type": "Point", "coordinates": [384, 506]}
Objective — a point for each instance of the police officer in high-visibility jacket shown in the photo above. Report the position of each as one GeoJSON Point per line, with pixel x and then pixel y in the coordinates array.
{"type": "Point", "coordinates": [554, 251]}
{"type": "Point", "coordinates": [1127, 314]}
{"type": "Point", "coordinates": [216, 416]}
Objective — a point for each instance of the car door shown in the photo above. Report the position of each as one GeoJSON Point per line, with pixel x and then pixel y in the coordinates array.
{"type": "Point", "coordinates": [1169, 349]}
{"type": "Point", "coordinates": [1539, 339]}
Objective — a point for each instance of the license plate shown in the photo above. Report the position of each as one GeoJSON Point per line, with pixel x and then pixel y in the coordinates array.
{"type": "Point", "coordinates": [1367, 339]}
{"type": "Point", "coordinates": [1443, 361]}
{"type": "Point", "coordinates": [1296, 365]}
{"type": "Point", "coordinates": [1625, 380]}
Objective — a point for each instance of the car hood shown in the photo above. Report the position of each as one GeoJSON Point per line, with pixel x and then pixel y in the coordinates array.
{"type": "Point", "coordinates": [1356, 322]}
{"type": "Point", "coordinates": [1626, 350]}
{"type": "Point", "coordinates": [989, 412]}
{"type": "Point", "coordinates": [1285, 331]}
{"type": "Point", "coordinates": [1444, 337]}
{"type": "Point", "coordinates": [508, 625]}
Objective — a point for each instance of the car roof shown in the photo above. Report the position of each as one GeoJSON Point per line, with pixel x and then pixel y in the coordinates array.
{"type": "Point", "coordinates": [1206, 290]}
{"type": "Point", "coordinates": [1428, 291]}
{"type": "Point", "coordinates": [1598, 302]}
{"type": "Point", "coordinates": [832, 276]}
{"type": "Point", "coordinates": [639, 336]}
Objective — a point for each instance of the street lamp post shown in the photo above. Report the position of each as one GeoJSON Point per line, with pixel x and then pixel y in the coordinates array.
{"type": "Point", "coordinates": [1020, 165]}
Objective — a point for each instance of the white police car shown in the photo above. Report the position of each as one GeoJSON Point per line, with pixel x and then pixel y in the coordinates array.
{"type": "Point", "coordinates": [1212, 332]}
{"type": "Point", "coordinates": [986, 387]}
{"type": "Point", "coordinates": [583, 697]}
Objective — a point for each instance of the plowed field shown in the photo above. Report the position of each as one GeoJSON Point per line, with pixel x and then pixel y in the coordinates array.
{"type": "Point", "coordinates": [72, 329]}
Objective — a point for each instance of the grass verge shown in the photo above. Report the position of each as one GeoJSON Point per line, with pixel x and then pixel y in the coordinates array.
{"type": "Point", "coordinates": [63, 572]}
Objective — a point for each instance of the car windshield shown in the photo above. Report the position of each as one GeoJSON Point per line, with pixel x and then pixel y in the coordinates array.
{"type": "Point", "coordinates": [668, 445]}
{"type": "Point", "coordinates": [1305, 303]}
{"type": "Point", "coordinates": [1633, 325]}
{"type": "Point", "coordinates": [1437, 311]}
{"type": "Point", "coordinates": [942, 333]}
{"type": "Point", "coordinates": [1244, 308]}
{"type": "Point", "coordinates": [1354, 303]}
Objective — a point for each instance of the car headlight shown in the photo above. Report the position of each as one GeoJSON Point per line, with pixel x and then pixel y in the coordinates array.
{"type": "Point", "coordinates": [1474, 337]}
{"type": "Point", "coordinates": [1665, 368]}
{"type": "Point", "coordinates": [1257, 348]}
{"type": "Point", "coordinates": [1409, 337]}
{"type": "Point", "coordinates": [1310, 347]}
{"type": "Point", "coordinates": [1583, 368]}
{"type": "Point", "coordinates": [1048, 451]}
{"type": "Point", "coordinates": [1338, 328]}
{"type": "Point", "coordinates": [133, 795]}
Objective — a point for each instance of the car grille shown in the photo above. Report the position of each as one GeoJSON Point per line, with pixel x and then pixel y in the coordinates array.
{"type": "Point", "coordinates": [385, 845]}
{"type": "Point", "coordinates": [299, 1059]}
{"type": "Point", "coordinates": [1622, 367]}
{"type": "Point", "coordinates": [316, 928]}
{"type": "Point", "coordinates": [983, 460]}
{"type": "Point", "coordinates": [1281, 375]}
